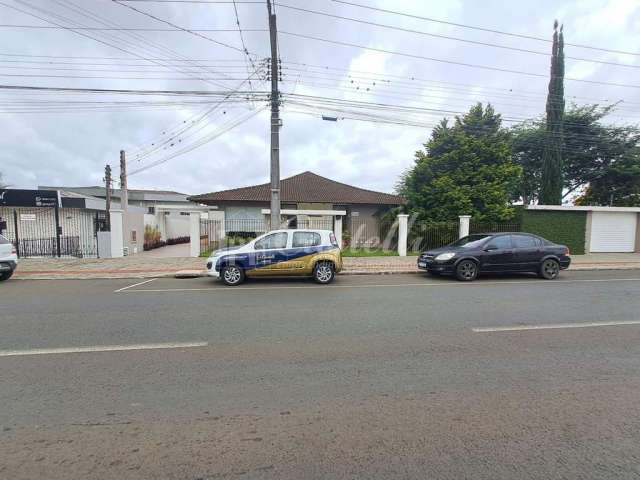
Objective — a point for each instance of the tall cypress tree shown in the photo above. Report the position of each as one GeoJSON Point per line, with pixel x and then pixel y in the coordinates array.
{"type": "Point", "coordinates": [551, 185]}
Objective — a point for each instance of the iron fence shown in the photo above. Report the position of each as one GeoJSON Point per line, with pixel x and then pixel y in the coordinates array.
{"type": "Point", "coordinates": [51, 232]}
{"type": "Point", "coordinates": [478, 227]}
{"type": "Point", "coordinates": [426, 235]}
{"type": "Point", "coordinates": [215, 234]}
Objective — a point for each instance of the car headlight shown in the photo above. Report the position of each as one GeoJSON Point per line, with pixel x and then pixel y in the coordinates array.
{"type": "Point", "coordinates": [445, 256]}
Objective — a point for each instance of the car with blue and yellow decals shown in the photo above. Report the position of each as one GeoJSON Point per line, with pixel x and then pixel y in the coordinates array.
{"type": "Point", "coordinates": [305, 252]}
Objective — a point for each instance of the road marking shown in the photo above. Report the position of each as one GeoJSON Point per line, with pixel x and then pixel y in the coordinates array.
{"type": "Point", "coordinates": [381, 285]}
{"type": "Point", "coordinates": [134, 285]}
{"type": "Point", "coordinates": [518, 328]}
{"type": "Point", "coordinates": [100, 348]}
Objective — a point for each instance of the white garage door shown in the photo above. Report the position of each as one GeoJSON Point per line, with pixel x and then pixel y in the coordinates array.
{"type": "Point", "coordinates": [613, 232]}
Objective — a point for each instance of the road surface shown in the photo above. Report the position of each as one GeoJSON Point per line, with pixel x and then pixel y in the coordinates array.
{"type": "Point", "coordinates": [373, 377]}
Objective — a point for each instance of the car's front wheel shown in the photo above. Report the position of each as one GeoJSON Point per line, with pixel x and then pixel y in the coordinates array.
{"type": "Point", "coordinates": [6, 275]}
{"type": "Point", "coordinates": [232, 275]}
{"type": "Point", "coordinates": [550, 269]}
{"type": "Point", "coordinates": [467, 270]}
{"type": "Point", "coordinates": [324, 272]}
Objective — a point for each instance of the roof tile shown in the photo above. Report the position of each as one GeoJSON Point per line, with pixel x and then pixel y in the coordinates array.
{"type": "Point", "coordinates": [304, 187]}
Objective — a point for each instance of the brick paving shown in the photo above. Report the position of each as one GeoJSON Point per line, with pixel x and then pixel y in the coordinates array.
{"type": "Point", "coordinates": [145, 266]}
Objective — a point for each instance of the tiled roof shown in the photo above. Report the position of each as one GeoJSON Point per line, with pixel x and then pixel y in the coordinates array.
{"type": "Point", "coordinates": [304, 187]}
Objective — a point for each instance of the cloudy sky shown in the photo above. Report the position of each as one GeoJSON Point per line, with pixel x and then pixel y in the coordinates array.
{"type": "Point", "coordinates": [62, 138]}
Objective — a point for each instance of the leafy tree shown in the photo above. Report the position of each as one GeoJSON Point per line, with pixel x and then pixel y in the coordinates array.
{"type": "Point", "coordinates": [591, 154]}
{"type": "Point", "coordinates": [464, 169]}
{"type": "Point", "coordinates": [551, 182]}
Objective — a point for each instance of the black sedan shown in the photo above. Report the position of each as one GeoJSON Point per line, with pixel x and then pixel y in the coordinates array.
{"type": "Point", "coordinates": [497, 253]}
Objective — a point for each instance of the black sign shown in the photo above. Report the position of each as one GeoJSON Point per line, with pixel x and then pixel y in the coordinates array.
{"type": "Point", "coordinates": [28, 198]}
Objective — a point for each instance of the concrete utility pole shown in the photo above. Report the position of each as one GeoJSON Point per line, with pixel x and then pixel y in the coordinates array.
{"type": "Point", "coordinates": [275, 122]}
{"type": "Point", "coordinates": [107, 186]}
{"type": "Point", "coordinates": [124, 194]}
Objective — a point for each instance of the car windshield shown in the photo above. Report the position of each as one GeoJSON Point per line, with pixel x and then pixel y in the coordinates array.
{"type": "Point", "coordinates": [470, 241]}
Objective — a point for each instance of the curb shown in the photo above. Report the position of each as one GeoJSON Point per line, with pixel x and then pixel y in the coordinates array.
{"type": "Point", "coordinates": [94, 275]}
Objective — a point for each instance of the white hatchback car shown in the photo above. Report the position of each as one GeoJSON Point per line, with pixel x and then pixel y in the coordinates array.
{"type": "Point", "coordinates": [8, 259]}
{"type": "Point", "coordinates": [313, 253]}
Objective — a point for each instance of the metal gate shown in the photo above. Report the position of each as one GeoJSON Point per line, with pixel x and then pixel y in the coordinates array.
{"type": "Point", "coordinates": [52, 232]}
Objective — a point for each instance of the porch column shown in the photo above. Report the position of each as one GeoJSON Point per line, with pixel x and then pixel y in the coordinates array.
{"type": "Point", "coordinates": [337, 229]}
{"type": "Point", "coordinates": [194, 234]}
{"type": "Point", "coordinates": [463, 230]}
{"type": "Point", "coordinates": [116, 233]}
{"type": "Point", "coordinates": [402, 234]}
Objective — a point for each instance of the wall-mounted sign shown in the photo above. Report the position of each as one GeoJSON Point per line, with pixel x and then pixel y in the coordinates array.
{"type": "Point", "coordinates": [29, 198]}
{"type": "Point", "coordinates": [27, 217]}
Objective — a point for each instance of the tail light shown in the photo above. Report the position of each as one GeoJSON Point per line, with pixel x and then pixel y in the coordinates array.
{"type": "Point", "coordinates": [568, 252]}
{"type": "Point", "coordinates": [14, 251]}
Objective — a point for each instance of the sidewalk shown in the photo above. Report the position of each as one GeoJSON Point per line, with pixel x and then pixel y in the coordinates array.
{"type": "Point", "coordinates": [145, 266]}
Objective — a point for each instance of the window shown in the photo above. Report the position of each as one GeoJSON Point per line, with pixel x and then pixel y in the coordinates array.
{"type": "Point", "coordinates": [500, 243]}
{"type": "Point", "coordinates": [525, 241]}
{"type": "Point", "coordinates": [306, 239]}
{"type": "Point", "coordinates": [151, 210]}
{"type": "Point", "coordinates": [185, 213]}
{"type": "Point", "coordinates": [3, 240]}
{"type": "Point", "coordinates": [134, 236]}
{"type": "Point", "coordinates": [275, 240]}
{"type": "Point", "coordinates": [471, 241]}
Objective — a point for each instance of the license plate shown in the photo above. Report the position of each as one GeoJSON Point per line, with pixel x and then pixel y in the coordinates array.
{"type": "Point", "coordinates": [422, 264]}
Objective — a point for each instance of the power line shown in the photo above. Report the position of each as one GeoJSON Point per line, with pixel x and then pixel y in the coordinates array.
{"type": "Point", "coordinates": [192, 32]}
{"type": "Point", "coordinates": [71, 29]}
{"type": "Point", "coordinates": [130, 29]}
{"type": "Point", "coordinates": [451, 62]}
{"type": "Point", "coordinates": [244, 46]}
{"type": "Point", "coordinates": [483, 29]}
{"type": "Point", "coordinates": [198, 143]}
{"type": "Point", "coordinates": [447, 37]}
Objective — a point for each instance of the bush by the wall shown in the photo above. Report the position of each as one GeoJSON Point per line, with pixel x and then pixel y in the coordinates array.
{"type": "Point", "coordinates": [564, 227]}
{"type": "Point", "coordinates": [178, 240]}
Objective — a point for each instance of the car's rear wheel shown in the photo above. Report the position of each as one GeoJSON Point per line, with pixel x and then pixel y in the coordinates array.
{"type": "Point", "coordinates": [550, 269]}
{"type": "Point", "coordinates": [466, 270]}
{"type": "Point", "coordinates": [232, 275]}
{"type": "Point", "coordinates": [324, 272]}
{"type": "Point", "coordinates": [6, 275]}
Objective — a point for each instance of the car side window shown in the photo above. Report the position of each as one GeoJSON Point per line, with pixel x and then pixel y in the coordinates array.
{"type": "Point", "coordinates": [500, 243]}
{"type": "Point", "coordinates": [275, 240]}
{"type": "Point", "coordinates": [3, 240]}
{"type": "Point", "coordinates": [525, 241]}
{"type": "Point", "coordinates": [305, 239]}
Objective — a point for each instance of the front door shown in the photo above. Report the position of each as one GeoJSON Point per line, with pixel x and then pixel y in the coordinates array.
{"type": "Point", "coordinates": [498, 255]}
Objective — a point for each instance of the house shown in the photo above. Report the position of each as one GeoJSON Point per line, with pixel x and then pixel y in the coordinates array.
{"type": "Point", "coordinates": [309, 200]}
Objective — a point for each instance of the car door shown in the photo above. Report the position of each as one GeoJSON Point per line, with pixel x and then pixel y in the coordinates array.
{"type": "Point", "coordinates": [304, 246]}
{"type": "Point", "coordinates": [498, 255]}
{"type": "Point", "coordinates": [528, 252]}
{"type": "Point", "coordinates": [268, 252]}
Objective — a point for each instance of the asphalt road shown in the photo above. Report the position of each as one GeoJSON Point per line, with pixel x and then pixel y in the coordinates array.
{"type": "Point", "coordinates": [374, 377]}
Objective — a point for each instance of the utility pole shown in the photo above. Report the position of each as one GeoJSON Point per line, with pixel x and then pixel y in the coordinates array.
{"type": "Point", "coordinates": [124, 194]}
{"type": "Point", "coordinates": [107, 185]}
{"type": "Point", "coordinates": [275, 122]}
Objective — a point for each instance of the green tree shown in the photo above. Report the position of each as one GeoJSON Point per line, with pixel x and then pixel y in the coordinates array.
{"type": "Point", "coordinates": [594, 155]}
{"type": "Point", "coordinates": [551, 182]}
{"type": "Point", "coordinates": [464, 169]}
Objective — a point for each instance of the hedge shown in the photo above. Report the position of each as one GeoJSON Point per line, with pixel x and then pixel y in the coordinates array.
{"type": "Point", "coordinates": [564, 227]}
